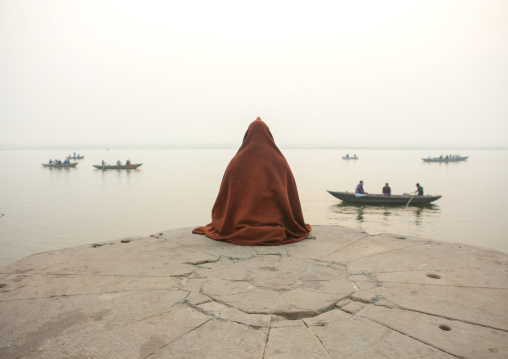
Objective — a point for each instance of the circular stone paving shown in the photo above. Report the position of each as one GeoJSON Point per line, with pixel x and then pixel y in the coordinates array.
{"type": "Point", "coordinates": [344, 294]}
{"type": "Point", "coordinates": [292, 288]}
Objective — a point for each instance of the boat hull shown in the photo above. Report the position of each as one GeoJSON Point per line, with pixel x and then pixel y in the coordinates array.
{"type": "Point", "coordinates": [438, 159]}
{"type": "Point", "coordinates": [379, 199]}
{"type": "Point", "coordinates": [63, 165]}
{"type": "Point", "coordinates": [118, 167]}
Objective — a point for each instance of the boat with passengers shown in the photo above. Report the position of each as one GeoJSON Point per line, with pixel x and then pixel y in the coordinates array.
{"type": "Point", "coordinates": [447, 158]}
{"type": "Point", "coordinates": [379, 199]}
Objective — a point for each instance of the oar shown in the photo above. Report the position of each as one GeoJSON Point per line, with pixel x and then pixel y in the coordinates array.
{"type": "Point", "coordinates": [413, 196]}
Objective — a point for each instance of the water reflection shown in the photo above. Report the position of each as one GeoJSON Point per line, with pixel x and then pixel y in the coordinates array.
{"type": "Point", "coordinates": [383, 215]}
{"type": "Point", "coordinates": [112, 177]}
{"type": "Point", "coordinates": [420, 211]}
{"type": "Point", "coordinates": [56, 173]}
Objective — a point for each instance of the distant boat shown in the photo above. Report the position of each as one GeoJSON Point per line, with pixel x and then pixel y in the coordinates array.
{"type": "Point", "coordinates": [445, 159]}
{"type": "Point", "coordinates": [118, 167]}
{"type": "Point", "coordinates": [347, 157]}
{"type": "Point", "coordinates": [75, 157]}
{"type": "Point", "coordinates": [379, 199]}
{"type": "Point", "coordinates": [61, 165]}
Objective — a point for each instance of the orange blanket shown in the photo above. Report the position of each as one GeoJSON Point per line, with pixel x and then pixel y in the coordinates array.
{"type": "Point", "coordinates": [258, 203]}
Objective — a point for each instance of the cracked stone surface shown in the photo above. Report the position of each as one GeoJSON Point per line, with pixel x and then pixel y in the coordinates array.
{"type": "Point", "coordinates": [342, 294]}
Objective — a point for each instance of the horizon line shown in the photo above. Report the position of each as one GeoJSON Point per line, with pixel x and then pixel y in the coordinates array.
{"type": "Point", "coordinates": [236, 146]}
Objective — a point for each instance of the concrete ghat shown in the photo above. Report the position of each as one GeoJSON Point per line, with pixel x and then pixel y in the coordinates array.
{"type": "Point", "coordinates": [344, 294]}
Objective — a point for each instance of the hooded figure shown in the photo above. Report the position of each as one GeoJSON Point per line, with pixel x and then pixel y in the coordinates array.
{"type": "Point", "coordinates": [258, 203]}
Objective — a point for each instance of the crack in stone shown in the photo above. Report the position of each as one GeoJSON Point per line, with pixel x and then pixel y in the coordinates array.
{"type": "Point", "coordinates": [96, 245]}
{"type": "Point", "coordinates": [441, 317]}
{"type": "Point", "coordinates": [412, 337]}
{"type": "Point", "coordinates": [267, 336]}
{"type": "Point", "coordinates": [338, 250]}
{"type": "Point", "coordinates": [364, 301]}
{"type": "Point", "coordinates": [305, 314]}
{"type": "Point", "coordinates": [390, 251]}
{"type": "Point", "coordinates": [181, 336]}
{"type": "Point", "coordinates": [285, 253]}
{"type": "Point", "coordinates": [182, 284]}
{"type": "Point", "coordinates": [328, 262]}
{"type": "Point", "coordinates": [444, 285]}
{"type": "Point", "coordinates": [208, 314]}
{"type": "Point", "coordinates": [199, 263]}
{"type": "Point", "coordinates": [226, 320]}
{"type": "Point", "coordinates": [369, 275]}
{"type": "Point", "coordinates": [320, 342]}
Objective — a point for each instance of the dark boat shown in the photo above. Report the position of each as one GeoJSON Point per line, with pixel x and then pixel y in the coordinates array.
{"type": "Point", "coordinates": [75, 157]}
{"type": "Point", "coordinates": [61, 165]}
{"type": "Point", "coordinates": [355, 157]}
{"type": "Point", "coordinates": [446, 159]}
{"type": "Point", "coordinates": [379, 199]}
{"type": "Point", "coordinates": [118, 167]}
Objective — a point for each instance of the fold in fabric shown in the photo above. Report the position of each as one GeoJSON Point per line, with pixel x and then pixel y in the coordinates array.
{"type": "Point", "coordinates": [258, 202]}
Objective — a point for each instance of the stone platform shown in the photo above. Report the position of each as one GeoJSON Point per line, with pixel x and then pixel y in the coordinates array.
{"type": "Point", "coordinates": [340, 294]}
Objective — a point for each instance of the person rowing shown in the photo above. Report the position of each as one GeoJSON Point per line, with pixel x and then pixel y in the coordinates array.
{"type": "Point", "coordinates": [419, 190]}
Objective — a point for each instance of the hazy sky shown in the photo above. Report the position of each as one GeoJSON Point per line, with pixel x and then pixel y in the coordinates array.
{"type": "Point", "coordinates": [340, 73]}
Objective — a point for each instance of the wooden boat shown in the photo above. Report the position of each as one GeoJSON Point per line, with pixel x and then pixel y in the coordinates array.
{"type": "Point", "coordinates": [379, 199]}
{"type": "Point", "coordinates": [446, 159]}
{"type": "Point", "coordinates": [61, 165]}
{"type": "Point", "coordinates": [75, 157]}
{"type": "Point", "coordinates": [118, 167]}
{"type": "Point", "coordinates": [355, 157]}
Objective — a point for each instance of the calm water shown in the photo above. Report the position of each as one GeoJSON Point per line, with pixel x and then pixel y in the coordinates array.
{"type": "Point", "coordinates": [47, 209]}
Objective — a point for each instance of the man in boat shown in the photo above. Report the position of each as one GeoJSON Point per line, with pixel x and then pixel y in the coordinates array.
{"type": "Point", "coordinates": [359, 192]}
{"type": "Point", "coordinates": [387, 191]}
{"type": "Point", "coordinates": [419, 190]}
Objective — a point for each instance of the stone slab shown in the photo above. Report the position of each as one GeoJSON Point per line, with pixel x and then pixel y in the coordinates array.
{"type": "Point", "coordinates": [341, 293]}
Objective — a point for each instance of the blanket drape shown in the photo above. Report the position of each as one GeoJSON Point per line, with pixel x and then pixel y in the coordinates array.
{"type": "Point", "coordinates": [258, 202]}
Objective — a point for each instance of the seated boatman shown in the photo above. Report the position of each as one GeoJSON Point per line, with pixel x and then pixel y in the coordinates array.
{"type": "Point", "coordinates": [387, 191]}
{"type": "Point", "coordinates": [419, 190]}
{"type": "Point", "coordinates": [359, 192]}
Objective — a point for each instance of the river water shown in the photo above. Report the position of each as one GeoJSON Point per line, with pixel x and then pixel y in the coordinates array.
{"type": "Point", "coordinates": [44, 209]}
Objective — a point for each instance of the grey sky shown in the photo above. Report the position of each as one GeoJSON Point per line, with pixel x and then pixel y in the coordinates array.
{"type": "Point", "coordinates": [339, 73]}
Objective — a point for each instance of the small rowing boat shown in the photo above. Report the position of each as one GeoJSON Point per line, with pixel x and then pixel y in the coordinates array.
{"type": "Point", "coordinates": [446, 159]}
{"type": "Point", "coordinates": [379, 199]}
{"type": "Point", "coordinates": [60, 165]}
{"type": "Point", "coordinates": [75, 157]}
{"type": "Point", "coordinates": [118, 167]}
{"type": "Point", "coordinates": [355, 157]}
